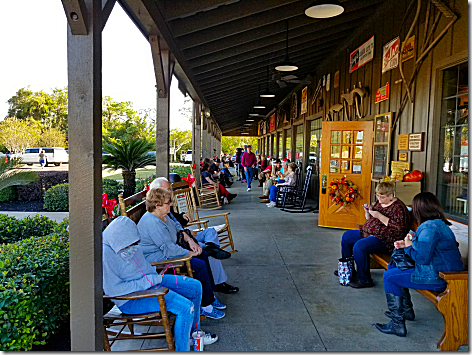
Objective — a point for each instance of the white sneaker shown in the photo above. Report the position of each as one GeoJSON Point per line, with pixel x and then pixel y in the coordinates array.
{"type": "Point", "coordinates": [209, 339]}
{"type": "Point", "coordinates": [271, 204]}
{"type": "Point", "coordinates": [249, 189]}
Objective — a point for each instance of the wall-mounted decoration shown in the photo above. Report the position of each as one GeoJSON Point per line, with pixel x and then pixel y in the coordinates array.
{"type": "Point", "coordinates": [409, 50]}
{"type": "Point", "coordinates": [336, 80]}
{"type": "Point", "coordinates": [272, 122]}
{"type": "Point", "coordinates": [391, 54]}
{"type": "Point", "coordinates": [294, 107]}
{"type": "Point", "coordinates": [259, 128]}
{"type": "Point", "coordinates": [381, 156]}
{"type": "Point", "coordinates": [400, 165]}
{"type": "Point", "coordinates": [264, 127]}
{"type": "Point", "coordinates": [303, 106]}
{"type": "Point", "coordinates": [361, 55]}
{"type": "Point", "coordinates": [353, 103]}
{"type": "Point", "coordinates": [324, 80]}
{"type": "Point", "coordinates": [316, 93]}
{"type": "Point", "coordinates": [403, 156]}
{"type": "Point", "coordinates": [283, 115]}
{"type": "Point", "coordinates": [328, 81]}
{"type": "Point", "coordinates": [415, 142]}
{"type": "Point", "coordinates": [403, 142]}
{"type": "Point", "coordinates": [382, 93]}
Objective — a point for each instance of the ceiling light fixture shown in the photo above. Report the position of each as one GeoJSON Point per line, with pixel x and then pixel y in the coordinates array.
{"type": "Point", "coordinates": [259, 105]}
{"type": "Point", "coordinates": [286, 64]}
{"type": "Point", "coordinates": [267, 93]}
{"type": "Point", "coordinates": [324, 9]}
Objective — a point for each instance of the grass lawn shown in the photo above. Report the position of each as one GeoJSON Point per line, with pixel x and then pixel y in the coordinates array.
{"type": "Point", "coordinates": [181, 169]}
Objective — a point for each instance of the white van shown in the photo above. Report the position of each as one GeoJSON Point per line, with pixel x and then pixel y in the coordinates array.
{"type": "Point", "coordinates": [54, 155]}
{"type": "Point", "coordinates": [188, 157]}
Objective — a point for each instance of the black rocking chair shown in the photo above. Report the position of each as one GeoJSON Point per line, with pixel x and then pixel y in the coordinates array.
{"type": "Point", "coordinates": [294, 197]}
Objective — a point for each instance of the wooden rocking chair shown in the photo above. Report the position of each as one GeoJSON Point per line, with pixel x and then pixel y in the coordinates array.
{"type": "Point", "coordinates": [208, 195]}
{"type": "Point", "coordinates": [183, 200]}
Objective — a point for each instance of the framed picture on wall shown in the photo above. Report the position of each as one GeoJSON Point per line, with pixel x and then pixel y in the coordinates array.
{"type": "Point", "coordinates": [381, 147]}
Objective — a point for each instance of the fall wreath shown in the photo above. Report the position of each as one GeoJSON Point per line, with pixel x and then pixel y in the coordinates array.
{"type": "Point", "coordinates": [343, 191]}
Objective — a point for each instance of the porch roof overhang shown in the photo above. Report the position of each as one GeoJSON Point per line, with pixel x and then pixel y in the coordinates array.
{"type": "Point", "coordinates": [222, 48]}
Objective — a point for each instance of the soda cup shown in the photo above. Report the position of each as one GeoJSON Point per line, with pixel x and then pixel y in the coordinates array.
{"type": "Point", "coordinates": [198, 340]}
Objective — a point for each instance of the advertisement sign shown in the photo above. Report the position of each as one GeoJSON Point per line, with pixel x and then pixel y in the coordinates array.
{"type": "Point", "coordinates": [361, 55]}
{"type": "Point", "coordinates": [328, 81]}
{"type": "Point", "coordinates": [409, 50]}
{"type": "Point", "coordinates": [336, 80]}
{"type": "Point", "coordinates": [415, 142]}
{"type": "Point", "coordinates": [382, 93]}
{"type": "Point", "coordinates": [304, 100]}
{"type": "Point", "coordinates": [403, 142]}
{"type": "Point", "coordinates": [272, 122]}
{"type": "Point", "coordinates": [181, 203]}
{"type": "Point", "coordinates": [391, 54]}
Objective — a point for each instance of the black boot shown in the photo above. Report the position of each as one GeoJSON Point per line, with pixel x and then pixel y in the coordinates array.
{"type": "Point", "coordinates": [407, 305]}
{"type": "Point", "coordinates": [397, 324]}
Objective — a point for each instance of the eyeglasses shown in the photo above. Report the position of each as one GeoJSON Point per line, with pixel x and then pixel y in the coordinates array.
{"type": "Point", "coordinates": [168, 203]}
{"type": "Point", "coordinates": [381, 197]}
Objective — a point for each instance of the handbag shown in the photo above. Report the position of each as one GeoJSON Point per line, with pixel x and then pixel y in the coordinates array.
{"type": "Point", "coordinates": [181, 241]}
{"type": "Point", "coordinates": [402, 260]}
{"type": "Point", "coordinates": [345, 270]}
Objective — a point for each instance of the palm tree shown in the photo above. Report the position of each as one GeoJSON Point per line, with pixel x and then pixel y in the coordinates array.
{"type": "Point", "coordinates": [128, 156]}
{"type": "Point", "coordinates": [11, 175]}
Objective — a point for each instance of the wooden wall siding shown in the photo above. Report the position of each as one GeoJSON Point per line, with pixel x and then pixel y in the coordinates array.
{"type": "Point", "coordinates": [416, 116]}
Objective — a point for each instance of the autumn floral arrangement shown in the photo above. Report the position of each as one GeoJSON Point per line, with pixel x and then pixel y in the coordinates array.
{"type": "Point", "coordinates": [343, 191]}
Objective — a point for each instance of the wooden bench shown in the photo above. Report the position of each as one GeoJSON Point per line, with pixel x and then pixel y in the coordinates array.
{"type": "Point", "coordinates": [453, 304]}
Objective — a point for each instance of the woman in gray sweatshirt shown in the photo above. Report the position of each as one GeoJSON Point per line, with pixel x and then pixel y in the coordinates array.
{"type": "Point", "coordinates": [125, 270]}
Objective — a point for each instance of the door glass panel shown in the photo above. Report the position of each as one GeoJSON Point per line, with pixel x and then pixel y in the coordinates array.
{"type": "Point", "coordinates": [335, 137]}
{"type": "Point", "coordinates": [356, 167]}
{"type": "Point", "coordinates": [359, 137]}
{"type": "Point", "coordinates": [334, 166]}
{"type": "Point", "coordinates": [347, 137]}
{"type": "Point", "coordinates": [358, 153]}
{"type": "Point", "coordinates": [346, 152]}
{"type": "Point", "coordinates": [335, 151]}
{"type": "Point", "coordinates": [345, 166]}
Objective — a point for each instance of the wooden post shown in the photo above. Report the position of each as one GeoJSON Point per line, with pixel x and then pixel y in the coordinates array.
{"type": "Point", "coordinates": [196, 140]}
{"type": "Point", "coordinates": [205, 137]}
{"type": "Point", "coordinates": [84, 60]}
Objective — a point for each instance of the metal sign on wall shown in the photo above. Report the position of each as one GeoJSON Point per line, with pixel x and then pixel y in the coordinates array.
{"type": "Point", "coordinates": [272, 122]}
{"type": "Point", "coordinates": [391, 54]}
{"type": "Point", "coordinates": [409, 50]}
{"type": "Point", "coordinates": [361, 55]}
{"type": "Point", "coordinates": [303, 108]}
{"type": "Point", "coordinates": [382, 93]}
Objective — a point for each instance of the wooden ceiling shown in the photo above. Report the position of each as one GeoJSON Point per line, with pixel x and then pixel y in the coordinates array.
{"type": "Point", "coordinates": [224, 47]}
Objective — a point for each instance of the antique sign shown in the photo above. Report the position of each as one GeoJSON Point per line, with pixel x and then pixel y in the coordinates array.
{"type": "Point", "coordinates": [304, 104]}
{"type": "Point", "coordinates": [409, 50]}
{"type": "Point", "coordinates": [336, 80]}
{"type": "Point", "coordinates": [403, 141]}
{"type": "Point", "coordinates": [361, 55]}
{"type": "Point", "coordinates": [399, 165]}
{"type": "Point", "coordinates": [272, 122]}
{"type": "Point", "coordinates": [415, 142]}
{"type": "Point", "coordinates": [403, 156]}
{"type": "Point", "coordinates": [382, 93]}
{"type": "Point", "coordinates": [294, 111]}
{"type": "Point", "coordinates": [182, 203]}
{"type": "Point", "coordinates": [328, 82]}
{"type": "Point", "coordinates": [391, 53]}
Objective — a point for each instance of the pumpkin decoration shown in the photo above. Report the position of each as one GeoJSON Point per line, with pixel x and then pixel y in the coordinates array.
{"type": "Point", "coordinates": [343, 191]}
{"type": "Point", "coordinates": [414, 176]}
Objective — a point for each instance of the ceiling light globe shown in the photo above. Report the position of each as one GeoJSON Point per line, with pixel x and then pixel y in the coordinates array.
{"type": "Point", "coordinates": [324, 10]}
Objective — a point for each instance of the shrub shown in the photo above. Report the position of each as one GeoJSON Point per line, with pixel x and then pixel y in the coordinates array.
{"type": "Point", "coordinates": [12, 230]}
{"type": "Point", "coordinates": [112, 188]}
{"type": "Point", "coordinates": [141, 182]}
{"type": "Point", "coordinates": [181, 170]}
{"type": "Point", "coordinates": [34, 291]}
{"type": "Point", "coordinates": [8, 194]}
{"type": "Point", "coordinates": [57, 198]}
{"type": "Point", "coordinates": [34, 191]}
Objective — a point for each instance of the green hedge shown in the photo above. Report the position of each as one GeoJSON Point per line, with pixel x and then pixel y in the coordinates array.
{"type": "Point", "coordinates": [182, 170]}
{"type": "Point", "coordinates": [8, 194]}
{"type": "Point", "coordinates": [13, 230]}
{"type": "Point", "coordinates": [112, 188]}
{"type": "Point", "coordinates": [34, 291]}
{"type": "Point", "coordinates": [57, 198]}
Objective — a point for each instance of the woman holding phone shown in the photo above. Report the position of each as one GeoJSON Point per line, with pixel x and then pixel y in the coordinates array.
{"type": "Point", "coordinates": [388, 220]}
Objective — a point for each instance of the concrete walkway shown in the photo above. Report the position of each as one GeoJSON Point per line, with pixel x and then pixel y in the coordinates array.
{"type": "Point", "coordinates": [289, 299]}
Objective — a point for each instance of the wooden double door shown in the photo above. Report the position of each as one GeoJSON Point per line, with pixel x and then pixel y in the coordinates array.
{"type": "Point", "coordinates": [346, 151]}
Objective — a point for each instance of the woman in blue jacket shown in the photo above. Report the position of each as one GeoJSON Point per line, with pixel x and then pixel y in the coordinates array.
{"type": "Point", "coordinates": [433, 248]}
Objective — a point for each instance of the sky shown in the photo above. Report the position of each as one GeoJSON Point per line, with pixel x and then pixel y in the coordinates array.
{"type": "Point", "coordinates": [34, 53]}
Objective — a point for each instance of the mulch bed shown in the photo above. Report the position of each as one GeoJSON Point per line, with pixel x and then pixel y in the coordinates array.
{"type": "Point", "coordinates": [22, 206]}
{"type": "Point", "coordinates": [57, 342]}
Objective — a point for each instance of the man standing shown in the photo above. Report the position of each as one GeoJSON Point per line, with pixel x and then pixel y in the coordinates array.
{"type": "Point", "coordinates": [42, 158]}
{"type": "Point", "coordinates": [248, 161]}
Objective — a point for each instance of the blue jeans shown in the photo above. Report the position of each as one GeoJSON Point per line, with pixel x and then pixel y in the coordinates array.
{"type": "Point", "coordinates": [273, 193]}
{"type": "Point", "coordinates": [208, 235]}
{"type": "Point", "coordinates": [352, 244]}
{"type": "Point", "coordinates": [183, 300]}
{"type": "Point", "coordinates": [248, 174]}
{"type": "Point", "coordinates": [394, 279]}
{"type": "Point", "coordinates": [202, 272]}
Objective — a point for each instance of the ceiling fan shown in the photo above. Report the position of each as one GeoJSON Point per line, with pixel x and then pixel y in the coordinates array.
{"type": "Point", "coordinates": [292, 79]}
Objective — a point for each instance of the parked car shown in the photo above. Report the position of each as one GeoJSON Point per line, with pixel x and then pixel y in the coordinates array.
{"type": "Point", "coordinates": [151, 153]}
{"type": "Point", "coordinates": [188, 157]}
{"type": "Point", "coordinates": [54, 155]}
{"type": "Point", "coordinates": [105, 154]}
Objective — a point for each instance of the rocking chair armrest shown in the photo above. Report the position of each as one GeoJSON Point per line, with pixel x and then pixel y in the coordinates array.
{"type": "Point", "coordinates": [196, 222]}
{"type": "Point", "coordinates": [172, 261]}
{"type": "Point", "coordinates": [217, 215]}
{"type": "Point", "coordinates": [140, 294]}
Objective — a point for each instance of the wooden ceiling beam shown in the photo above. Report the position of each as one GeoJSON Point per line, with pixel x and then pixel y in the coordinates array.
{"type": "Point", "coordinates": [176, 9]}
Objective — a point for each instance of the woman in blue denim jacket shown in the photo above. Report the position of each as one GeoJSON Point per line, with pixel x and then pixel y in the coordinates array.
{"type": "Point", "coordinates": [433, 248]}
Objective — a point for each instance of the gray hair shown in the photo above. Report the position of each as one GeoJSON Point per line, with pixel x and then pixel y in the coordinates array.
{"type": "Point", "coordinates": [157, 182]}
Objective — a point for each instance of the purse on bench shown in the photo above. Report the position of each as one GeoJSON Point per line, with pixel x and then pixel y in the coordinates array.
{"type": "Point", "coordinates": [402, 260]}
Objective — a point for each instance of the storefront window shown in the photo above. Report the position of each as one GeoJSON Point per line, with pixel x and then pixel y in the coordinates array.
{"type": "Point", "coordinates": [299, 143]}
{"type": "Point", "coordinates": [315, 145]}
{"type": "Point", "coordinates": [272, 145]}
{"type": "Point", "coordinates": [288, 144]}
{"type": "Point", "coordinates": [453, 174]}
{"type": "Point", "coordinates": [279, 144]}
{"type": "Point", "coordinates": [268, 145]}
